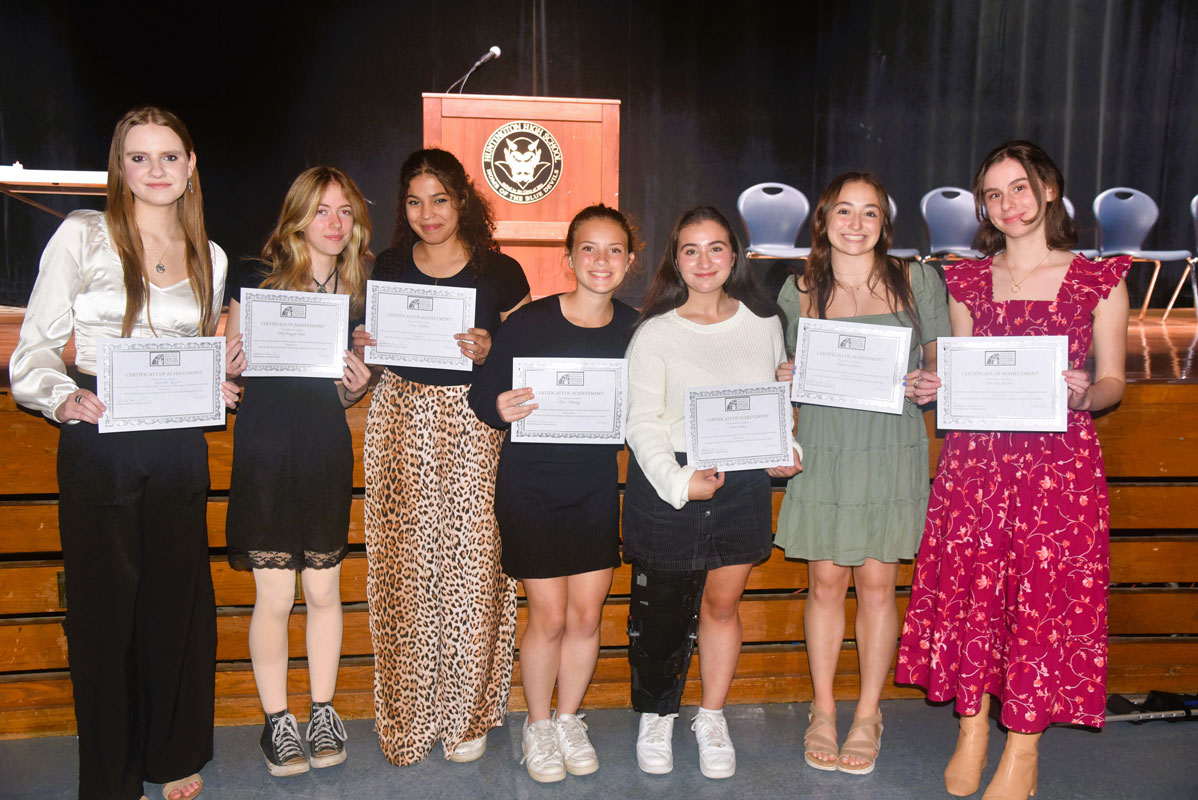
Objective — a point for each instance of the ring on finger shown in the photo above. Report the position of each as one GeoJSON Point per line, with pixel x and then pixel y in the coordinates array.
{"type": "Point", "coordinates": [78, 398]}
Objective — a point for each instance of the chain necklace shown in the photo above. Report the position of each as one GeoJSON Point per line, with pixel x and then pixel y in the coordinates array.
{"type": "Point", "coordinates": [847, 287]}
{"type": "Point", "coordinates": [159, 267]}
{"type": "Point", "coordinates": [1017, 286]}
{"type": "Point", "coordinates": [320, 285]}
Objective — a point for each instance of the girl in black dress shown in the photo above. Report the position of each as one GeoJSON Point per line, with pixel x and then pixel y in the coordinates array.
{"type": "Point", "coordinates": [558, 504]}
{"type": "Point", "coordinates": [289, 497]}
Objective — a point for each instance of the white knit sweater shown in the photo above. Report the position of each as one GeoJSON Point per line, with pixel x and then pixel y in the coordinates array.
{"type": "Point", "coordinates": [670, 354]}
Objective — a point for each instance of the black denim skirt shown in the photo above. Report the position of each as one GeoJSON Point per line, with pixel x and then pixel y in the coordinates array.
{"type": "Point", "coordinates": [734, 527]}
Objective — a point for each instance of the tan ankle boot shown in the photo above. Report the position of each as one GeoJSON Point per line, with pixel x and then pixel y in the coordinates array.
{"type": "Point", "coordinates": [1015, 778]}
{"type": "Point", "coordinates": [963, 774]}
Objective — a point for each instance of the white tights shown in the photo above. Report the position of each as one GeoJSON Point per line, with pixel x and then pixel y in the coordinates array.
{"type": "Point", "coordinates": [268, 632]}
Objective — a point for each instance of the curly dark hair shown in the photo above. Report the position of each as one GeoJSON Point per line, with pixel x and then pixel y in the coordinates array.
{"type": "Point", "coordinates": [476, 226]}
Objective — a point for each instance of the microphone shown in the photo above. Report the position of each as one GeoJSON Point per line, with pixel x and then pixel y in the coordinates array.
{"type": "Point", "coordinates": [491, 54]}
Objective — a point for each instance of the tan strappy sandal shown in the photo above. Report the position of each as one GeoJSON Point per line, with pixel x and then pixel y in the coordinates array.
{"type": "Point", "coordinates": [820, 739]}
{"type": "Point", "coordinates": [865, 748]}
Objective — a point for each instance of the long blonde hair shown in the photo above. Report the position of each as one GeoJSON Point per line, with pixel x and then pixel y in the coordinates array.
{"type": "Point", "coordinates": [286, 251]}
{"type": "Point", "coordinates": [126, 238]}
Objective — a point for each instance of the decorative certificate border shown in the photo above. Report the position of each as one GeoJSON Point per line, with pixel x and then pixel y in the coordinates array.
{"type": "Point", "coordinates": [948, 346]}
{"type": "Point", "coordinates": [779, 393]}
{"type": "Point", "coordinates": [377, 355]}
{"type": "Point", "coordinates": [105, 350]}
{"type": "Point", "coordinates": [617, 366]}
{"type": "Point", "coordinates": [901, 337]}
{"type": "Point", "coordinates": [250, 299]}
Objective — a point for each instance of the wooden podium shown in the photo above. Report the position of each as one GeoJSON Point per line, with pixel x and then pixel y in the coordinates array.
{"type": "Point", "coordinates": [538, 160]}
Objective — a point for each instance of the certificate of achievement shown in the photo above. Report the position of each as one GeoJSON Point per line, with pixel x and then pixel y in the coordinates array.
{"type": "Point", "coordinates": [1002, 383]}
{"type": "Point", "coordinates": [152, 384]}
{"type": "Point", "coordinates": [414, 324]}
{"type": "Point", "coordinates": [579, 400]}
{"type": "Point", "coordinates": [739, 427]}
{"type": "Point", "coordinates": [851, 365]}
{"type": "Point", "coordinates": [294, 333]}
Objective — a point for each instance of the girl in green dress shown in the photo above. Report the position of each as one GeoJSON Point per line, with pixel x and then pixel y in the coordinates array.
{"type": "Point", "coordinates": [859, 505]}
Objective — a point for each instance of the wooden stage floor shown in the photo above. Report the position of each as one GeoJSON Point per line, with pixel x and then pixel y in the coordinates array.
{"type": "Point", "coordinates": [1157, 351]}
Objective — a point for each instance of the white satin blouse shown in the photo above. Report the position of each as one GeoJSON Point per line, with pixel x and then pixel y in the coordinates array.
{"type": "Point", "coordinates": [80, 288]}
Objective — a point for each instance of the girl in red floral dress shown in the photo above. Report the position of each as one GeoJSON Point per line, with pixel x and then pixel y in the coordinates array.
{"type": "Point", "coordinates": [1009, 596]}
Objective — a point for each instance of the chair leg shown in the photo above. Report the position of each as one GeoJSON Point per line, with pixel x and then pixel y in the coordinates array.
{"type": "Point", "coordinates": [1151, 286]}
{"type": "Point", "coordinates": [1177, 291]}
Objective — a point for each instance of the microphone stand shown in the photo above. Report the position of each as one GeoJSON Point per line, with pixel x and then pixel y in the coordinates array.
{"type": "Point", "coordinates": [487, 56]}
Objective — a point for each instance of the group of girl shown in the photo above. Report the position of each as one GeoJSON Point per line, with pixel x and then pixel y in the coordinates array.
{"type": "Point", "coordinates": [1010, 546]}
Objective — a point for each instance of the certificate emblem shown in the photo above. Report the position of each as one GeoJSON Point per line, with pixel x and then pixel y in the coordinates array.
{"type": "Point", "coordinates": [167, 359]}
{"type": "Point", "coordinates": [571, 379]}
{"type": "Point", "coordinates": [522, 162]}
{"type": "Point", "coordinates": [1000, 358]}
{"type": "Point", "coordinates": [734, 404]}
{"type": "Point", "coordinates": [851, 343]}
{"type": "Point", "coordinates": [294, 311]}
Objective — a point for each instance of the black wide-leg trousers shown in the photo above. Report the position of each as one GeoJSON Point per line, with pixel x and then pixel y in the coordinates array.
{"type": "Point", "coordinates": [140, 621]}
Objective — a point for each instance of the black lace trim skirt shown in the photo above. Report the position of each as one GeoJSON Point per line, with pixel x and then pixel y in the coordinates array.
{"type": "Point", "coordinates": [292, 481]}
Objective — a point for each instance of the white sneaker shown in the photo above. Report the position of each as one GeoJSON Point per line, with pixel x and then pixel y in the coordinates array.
{"type": "Point", "coordinates": [717, 756]}
{"type": "Point", "coordinates": [575, 747]}
{"type": "Point", "coordinates": [542, 758]}
{"type": "Point", "coordinates": [469, 751]}
{"type": "Point", "coordinates": [655, 743]}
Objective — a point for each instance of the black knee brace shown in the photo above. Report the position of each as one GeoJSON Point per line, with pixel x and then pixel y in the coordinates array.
{"type": "Point", "coordinates": [663, 623]}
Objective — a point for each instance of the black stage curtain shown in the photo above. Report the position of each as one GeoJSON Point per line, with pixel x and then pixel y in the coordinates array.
{"type": "Point", "coordinates": [716, 97]}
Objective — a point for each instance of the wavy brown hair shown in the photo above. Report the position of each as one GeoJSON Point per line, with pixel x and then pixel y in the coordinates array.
{"type": "Point", "coordinates": [286, 252]}
{"type": "Point", "coordinates": [476, 226]}
{"type": "Point", "coordinates": [668, 291]}
{"type": "Point", "coordinates": [888, 272]}
{"type": "Point", "coordinates": [126, 238]}
{"type": "Point", "coordinates": [1042, 171]}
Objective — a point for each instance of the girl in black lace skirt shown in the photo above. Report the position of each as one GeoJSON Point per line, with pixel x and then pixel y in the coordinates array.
{"type": "Point", "coordinates": [289, 496]}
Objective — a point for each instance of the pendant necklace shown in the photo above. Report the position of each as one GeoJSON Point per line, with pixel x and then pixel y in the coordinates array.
{"type": "Point", "coordinates": [320, 285]}
{"type": "Point", "coordinates": [159, 267]}
{"type": "Point", "coordinates": [1017, 286]}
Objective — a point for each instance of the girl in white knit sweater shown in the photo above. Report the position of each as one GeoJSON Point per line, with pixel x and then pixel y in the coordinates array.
{"type": "Point", "coordinates": [692, 536]}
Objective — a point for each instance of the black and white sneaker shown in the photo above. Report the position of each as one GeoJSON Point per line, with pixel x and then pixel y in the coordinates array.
{"type": "Point", "coordinates": [326, 736]}
{"type": "Point", "coordinates": [281, 746]}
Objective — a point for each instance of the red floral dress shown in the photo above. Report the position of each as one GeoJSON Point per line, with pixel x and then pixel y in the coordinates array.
{"type": "Point", "coordinates": [1010, 589]}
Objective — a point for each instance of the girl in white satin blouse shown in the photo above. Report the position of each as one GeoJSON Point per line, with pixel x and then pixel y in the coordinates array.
{"type": "Point", "coordinates": [140, 621]}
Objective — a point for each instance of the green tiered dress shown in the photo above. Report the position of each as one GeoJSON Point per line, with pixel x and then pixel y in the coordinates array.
{"type": "Point", "coordinates": [863, 491]}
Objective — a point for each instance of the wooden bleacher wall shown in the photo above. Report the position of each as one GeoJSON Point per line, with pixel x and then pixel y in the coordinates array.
{"type": "Point", "coordinates": [1151, 450]}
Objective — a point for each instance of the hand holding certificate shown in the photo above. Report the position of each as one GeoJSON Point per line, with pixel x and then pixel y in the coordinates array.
{"type": "Point", "coordinates": [294, 333]}
{"type": "Point", "coordinates": [579, 400]}
{"type": "Point", "coordinates": [154, 384]}
{"type": "Point", "coordinates": [739, 427]}
{"type": "Point", "coordinates": [414, 325]}
{"type": "Point", "coordinates": [1002, 383]}
{"type": "Point", "coordinates": [850, 365]}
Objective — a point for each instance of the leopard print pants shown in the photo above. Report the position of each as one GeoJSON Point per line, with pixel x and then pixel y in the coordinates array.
{"type": "Point", "coordinates": [442, 612]}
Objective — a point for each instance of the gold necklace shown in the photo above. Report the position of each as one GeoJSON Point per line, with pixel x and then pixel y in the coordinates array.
{"type": "Point", "coordinates": [1017, 286]}
{"type": "Point", "coordinates": [846, 286]}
